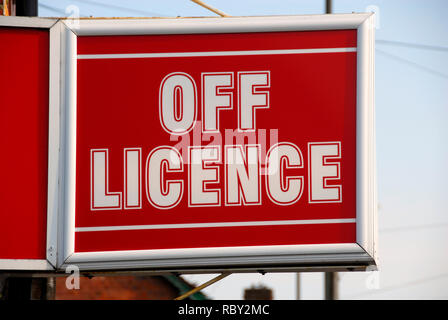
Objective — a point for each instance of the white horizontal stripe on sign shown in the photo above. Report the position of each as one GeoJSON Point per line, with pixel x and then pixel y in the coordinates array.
{"type": "Point", "coordinates": [215, 225]}
{"type": "Point", "coordinates": [212, 53]}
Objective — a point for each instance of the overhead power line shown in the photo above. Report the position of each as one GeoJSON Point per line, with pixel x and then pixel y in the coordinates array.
{"type": "Point", "coordinates": [59, 11]}
{"type": "Point", "coordinates": [113, 6]}
{"type": "Point", "coordinates": [412, 45]}
{"type": "Point", "coordinates": [427, 226]}
{"type": "Point", "coordinates": [400, 286]}
{"type": "Point", "coordinates": [53, 9]}
{"type": "Point", "coordinates": [412, 63]}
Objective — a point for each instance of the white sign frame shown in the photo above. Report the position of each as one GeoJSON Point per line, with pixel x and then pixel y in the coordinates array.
{"type": "Point", "coordinates": [35, 23]}
{"type": "Point", "coordinates": [62, 154]}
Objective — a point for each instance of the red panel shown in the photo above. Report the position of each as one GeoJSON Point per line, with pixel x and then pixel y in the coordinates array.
{"type": "Point", "coordinates": [215, 237]}
{"type": "Point", "coordinates": [312, 99]}
{"type": "Point", "coordinates": [217, 42]}
{"type": "Point", "coordinates": [24, 64]}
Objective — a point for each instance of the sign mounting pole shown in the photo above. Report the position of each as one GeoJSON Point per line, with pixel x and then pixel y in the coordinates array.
{"type": "Point", "coordinates": [208, 7]}
{"type": "Point", "coordinates": [203, 286]}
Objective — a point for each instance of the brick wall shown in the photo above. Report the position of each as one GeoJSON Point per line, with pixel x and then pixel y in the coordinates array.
{"type": "Point", "coordinates": [118, 288]}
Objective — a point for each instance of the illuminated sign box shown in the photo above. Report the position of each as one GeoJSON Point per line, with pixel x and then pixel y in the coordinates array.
{"type": "Point", "coordinates": [212, 144]}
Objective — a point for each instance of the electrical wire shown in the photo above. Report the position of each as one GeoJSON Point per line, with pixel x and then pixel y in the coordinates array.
{"type": "Point", "coordinates": [59, 11]}
{"type": "Point", "coordinates": [55, 10]}
{"type": "Point", "coordinates": [113, 6]}
{"type": "Point", "coordinates": [412, 45]}
{"type": "Point", "coordinates": [412, 63]}
{"type": "Point", "coordinates": [399, 229]}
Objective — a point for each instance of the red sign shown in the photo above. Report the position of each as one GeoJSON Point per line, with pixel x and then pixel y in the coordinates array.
{"type": "Point", "coordinates": [189, 143]}
{"type": "Point", "coordinates": [216, 141]}
{"type": "Point", "coordinates": [24, 145]}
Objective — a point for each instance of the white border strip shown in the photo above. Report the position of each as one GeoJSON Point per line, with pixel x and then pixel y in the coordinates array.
{"type": "Point", "coordinates": [54, 143]}
{"type": "Point", "coordinates": [273, 251]}
{"type": "Point", "coordinates": [68, 86]}
{"type": "Point", "coordinates": [25, 264]}
{"type": "Point", "coordinates": [27, 22]}
{"type": "Point", "coordinates": [213, 53]}
{"type": "Point", "coordinates": [100, 27]}
{"type": "Point", "coordinates": [366, 203]}
{"type": "Point", "coordinates": [215, 224]}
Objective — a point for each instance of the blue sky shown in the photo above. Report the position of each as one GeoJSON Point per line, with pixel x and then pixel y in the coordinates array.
{"type": "Point", "coordinates": [412, 150]}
